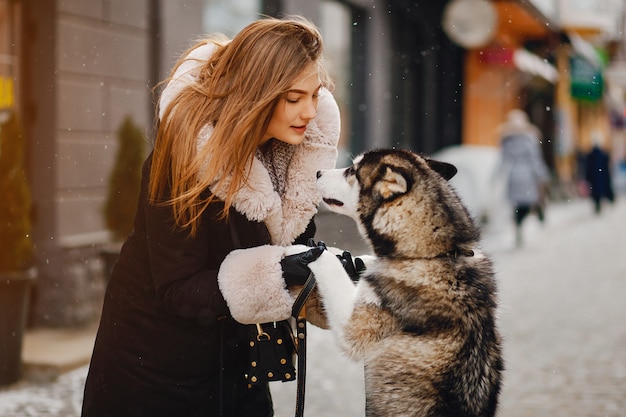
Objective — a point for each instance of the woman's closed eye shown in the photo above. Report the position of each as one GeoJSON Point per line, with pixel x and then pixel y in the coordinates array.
{"type": "Point", "coordinates": [294, 97]}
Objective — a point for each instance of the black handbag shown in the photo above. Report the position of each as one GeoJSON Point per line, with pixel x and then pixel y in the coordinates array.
{"type": "Point", "coordinates": [272, 352]}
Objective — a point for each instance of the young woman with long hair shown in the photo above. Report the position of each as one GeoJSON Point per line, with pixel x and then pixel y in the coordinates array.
{"type": "Point", "coordinates": [243, 127]}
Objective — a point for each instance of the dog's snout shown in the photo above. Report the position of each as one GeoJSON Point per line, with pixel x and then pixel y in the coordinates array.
{"type": "Point", "coordinates": [318, 174]}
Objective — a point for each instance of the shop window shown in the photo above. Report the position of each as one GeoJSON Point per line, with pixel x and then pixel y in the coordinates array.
{"type": "Point", "coordinates": [229, 16]}
{"type": "Point", "coordinates": [337, 26]}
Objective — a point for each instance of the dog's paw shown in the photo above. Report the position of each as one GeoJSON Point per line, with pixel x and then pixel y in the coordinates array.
{"type": "Point", "coordinates": [334, 250]}
{"type": "Point", "coordinates": [368, 261]}
{"type": "Point", "coordinates": [293, 249]}
{"type": "Point", "coordinates": [327, 266]}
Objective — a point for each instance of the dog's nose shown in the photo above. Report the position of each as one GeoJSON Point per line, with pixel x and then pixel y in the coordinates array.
{"type": "Point", "coordinates": [319, 174]}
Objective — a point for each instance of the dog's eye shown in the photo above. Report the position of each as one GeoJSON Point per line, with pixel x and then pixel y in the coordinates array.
{"type": "Point", "coordinates": [349, 171]}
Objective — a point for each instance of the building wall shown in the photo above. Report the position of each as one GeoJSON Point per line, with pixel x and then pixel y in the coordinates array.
{"type": "Point", "coordinates": [491, 91]}
{"type": "Point", "coordinates": [493, 82]}
{"type": "Point", "coordinates": [180, 24]}
{"type": "Point", "coordinates": [101, 74]}
{"type": "Point", "coordinates": [87, 67]}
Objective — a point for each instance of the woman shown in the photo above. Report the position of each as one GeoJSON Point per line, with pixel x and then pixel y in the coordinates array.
{"type": "Point", "coordinates": [244, 127]}
{"type": "Point", "coordinates": [526, 171]}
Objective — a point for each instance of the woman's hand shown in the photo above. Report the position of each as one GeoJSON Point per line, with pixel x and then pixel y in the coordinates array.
{"type": "Point", "coordinates": [295, 269]}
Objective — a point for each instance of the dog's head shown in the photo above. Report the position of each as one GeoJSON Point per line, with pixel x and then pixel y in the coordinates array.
{"type": "Point", "coordinates": [402, 203]}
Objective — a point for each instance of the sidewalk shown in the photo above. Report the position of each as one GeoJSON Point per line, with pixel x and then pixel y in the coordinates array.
{"type": "Point", "coordinates": [48, 353]}
{"type": "Point", "coordinates": [562, 315]}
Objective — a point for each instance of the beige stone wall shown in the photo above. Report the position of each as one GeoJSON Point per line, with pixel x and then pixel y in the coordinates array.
{"type": "Point", "coordinates": [102, 76]}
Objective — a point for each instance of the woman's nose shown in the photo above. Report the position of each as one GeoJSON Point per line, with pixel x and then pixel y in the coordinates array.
{"type": "Point", "coordinates": [309, 111]}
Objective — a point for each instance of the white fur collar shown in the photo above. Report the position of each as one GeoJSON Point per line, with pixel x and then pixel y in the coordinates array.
{"type": "Point", "coordinates": [288, 217]}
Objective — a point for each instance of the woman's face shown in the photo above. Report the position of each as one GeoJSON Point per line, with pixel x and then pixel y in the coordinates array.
{"type": "Point", "coordinates": [296, 108]}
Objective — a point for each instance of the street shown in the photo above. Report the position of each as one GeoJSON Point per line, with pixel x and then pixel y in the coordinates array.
{"type": "Point", "coordinates": [562, 306]}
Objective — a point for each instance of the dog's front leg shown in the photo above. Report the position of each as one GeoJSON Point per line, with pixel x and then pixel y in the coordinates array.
{"type": "Point", "coordinates": [337, 290]}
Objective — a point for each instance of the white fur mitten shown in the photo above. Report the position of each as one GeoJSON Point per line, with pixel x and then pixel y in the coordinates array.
{"type": "Point", "coordinates": [251, 281]}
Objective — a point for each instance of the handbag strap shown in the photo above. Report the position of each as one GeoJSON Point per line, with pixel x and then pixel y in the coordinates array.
{"type": "Point", "coordinates": [298, 311]}
{"type": "Point", "coordinates": [303, 296]}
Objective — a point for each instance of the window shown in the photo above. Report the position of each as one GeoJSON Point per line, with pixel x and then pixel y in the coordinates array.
{"type": "Point", "coordinates": [229, 16]}
{"type": "Point", "coordinates": [337, 29]}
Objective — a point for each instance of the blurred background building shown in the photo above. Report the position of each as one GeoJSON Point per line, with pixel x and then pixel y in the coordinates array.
{"type": "Point", "coordinates": [425, 75]}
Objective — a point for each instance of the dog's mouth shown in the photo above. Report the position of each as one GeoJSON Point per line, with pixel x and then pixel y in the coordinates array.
{"type": "Point", "coordinates": [332, 202]}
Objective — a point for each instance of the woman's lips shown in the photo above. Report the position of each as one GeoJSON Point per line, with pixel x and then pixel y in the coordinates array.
{"type": "Point", "coordinates": [299, 129]}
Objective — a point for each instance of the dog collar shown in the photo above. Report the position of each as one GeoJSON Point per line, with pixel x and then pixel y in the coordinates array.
{"type": "Point", "coordinates": [455, 254]}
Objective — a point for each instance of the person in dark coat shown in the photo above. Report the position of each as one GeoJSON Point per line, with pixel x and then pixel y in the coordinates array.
{"type": "Point", "coordinates": [598, 174]}
{"type": "Point", "coordinates": [523, 166]}
{"type": "Point", "coordinates": [244, 127]}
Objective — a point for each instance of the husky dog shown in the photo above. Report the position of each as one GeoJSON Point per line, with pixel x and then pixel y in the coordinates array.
{"type": "Point", "coordinates": [422, 317]}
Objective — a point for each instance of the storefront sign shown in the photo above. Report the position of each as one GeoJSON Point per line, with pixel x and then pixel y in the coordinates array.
{"type": "Point", "coordinates": [587, 82]}
{"type": "Point", "coordinates": [7, 95]}
{"type": "Point", "coordinates": [497, 55]}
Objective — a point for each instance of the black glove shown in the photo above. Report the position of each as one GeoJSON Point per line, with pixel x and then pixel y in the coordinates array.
{"type": "Point", "coordinates": [353, 267]}
{"type": "Point", "coordinates": [319, 244]}
{"type": "Point", "coordinates": [295, 269]}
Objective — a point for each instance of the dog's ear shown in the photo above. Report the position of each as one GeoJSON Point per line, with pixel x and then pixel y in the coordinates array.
{"type": "Point", "coordinates": [444, 169]}
{"type": "Point", "coordinates": [392, 183]}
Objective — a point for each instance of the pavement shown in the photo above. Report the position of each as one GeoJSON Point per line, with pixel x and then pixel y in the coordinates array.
{"type": "Point", "coordinates": [48, 353]}
{"type": "Point", "coordinates": [562, 308]}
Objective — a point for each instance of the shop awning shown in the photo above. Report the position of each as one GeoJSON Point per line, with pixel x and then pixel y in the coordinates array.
{"type": "Point", "coordinates": [585, 49]}
{"type": "Point", "coordinates": [528, 62]}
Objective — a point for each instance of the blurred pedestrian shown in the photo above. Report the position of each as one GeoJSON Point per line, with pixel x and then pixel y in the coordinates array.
{"type": "Point", "coordinates": [524, 168]}
{"type": "Point", "coordinates": [244, 125]}
{"type": "Point", "coordinates": [598, 173]}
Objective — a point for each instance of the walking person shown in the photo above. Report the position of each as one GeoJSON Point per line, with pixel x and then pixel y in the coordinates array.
{"type": "Point", "coordinates": [598, 173]}
{"type": "Point", "coordinates": [244, 125]}
{"type": "Point", "coordinates": [523, 165]}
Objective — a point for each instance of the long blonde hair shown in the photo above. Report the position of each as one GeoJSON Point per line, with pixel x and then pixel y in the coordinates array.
{"type": "Point", "coordinates": [236, 92]}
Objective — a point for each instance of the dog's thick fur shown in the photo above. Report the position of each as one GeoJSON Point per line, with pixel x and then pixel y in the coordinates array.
{"type": "Point", "coordinates": [422, 316]}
